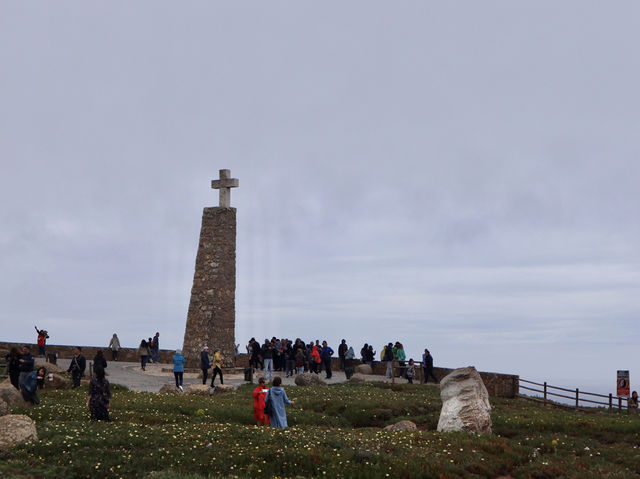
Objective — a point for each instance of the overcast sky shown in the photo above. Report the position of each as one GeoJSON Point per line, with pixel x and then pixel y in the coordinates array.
{"type": "Point", "coordinates": [461, 176]}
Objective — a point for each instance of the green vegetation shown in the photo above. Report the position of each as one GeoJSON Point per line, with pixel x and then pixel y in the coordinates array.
{"type": "Point", "coordinates": [336, 432]}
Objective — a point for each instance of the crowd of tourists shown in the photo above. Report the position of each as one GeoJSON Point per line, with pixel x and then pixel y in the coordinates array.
{"type": "Point", "coordinates": [296, 357]}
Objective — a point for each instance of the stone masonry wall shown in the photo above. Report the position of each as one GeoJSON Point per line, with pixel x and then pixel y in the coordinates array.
{"type": "Point", "coordinates": [211, 316]}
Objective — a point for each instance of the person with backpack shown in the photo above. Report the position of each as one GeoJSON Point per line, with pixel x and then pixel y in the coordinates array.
{"type": "Point", "coordinates": [77, 367]}
{"type": "Point", "coordinates": [275, 401]}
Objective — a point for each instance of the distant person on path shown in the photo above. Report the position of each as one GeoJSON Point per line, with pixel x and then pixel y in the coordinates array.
{"type": "Point", "coordinates": [99, 398]}
{"type": "Point", "coordinates": [77, 367]}
{"type": "Point", "coordinates": [387, 357]}
{"type": "Point", "coordinates": [143, 352]}
{"type": "Point", "coordinates": [217, 365]}
{"type": "Point", "coordinates": [278, 398]}
{"type": "Point", "coordinates": [205, 363]}
{"type": "Point", "coordinates": [42, 341]}
{"type": "Point", "coordinates": [99, 361]}
{"type": "Point", "coordinates": [632, 402]}
{"type": "Point", "coordinates": [427, 366]}
{"type": "Point", "coordinates": [13, 367]}
{"type": "Point", "coordinates": [411, 371]}
{"type": "Point", "coordinates": [342, 350]}
{"type": "Point", "coordinates": [155, 342]}
{"type": "Point", "coordinates": [259, 395]}
{"type": "Point", "coordinates": [316, 360]}
{"type": "Point", "coordinates": [372, 355]}
{"type": "Point", "coordinates": [400, 355]}
{"type": "Point", "coordinates": [26, 364]}
{"type": "Point", "coordinates": [267, 358]}
{"type": "Point", "coordinates": [178, 368]}
{"type": "Point", "coordinates": [114, 346]}
{"type": "Point", "coordinates": [29, 387]}
{"type": "Point", "coordinates": [326, 354]}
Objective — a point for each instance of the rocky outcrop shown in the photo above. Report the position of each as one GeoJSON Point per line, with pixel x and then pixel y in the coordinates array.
{"type": "Point", "coordinates": [56, 381]}
{"type": "Point", "coordinates": [198, 390]}
{"type": "Point", "coordinates": [4, 408]}
{"type": "Point", "coordinates": [309, 379]}
{"type": "Point", "coordinates": [465, 402]}
{"type": "Point", "coordinates": [364, 369]}
{"type": "Point", "coordinates": [11, 395]}
{"type": "Point", "coordinates": [223, 389]}
{"type": "Point", "coordinates": [16, 429]}
{"type": "Point", "coordinates": [50, 367]}
{"type": "Point", "coordinates": [169, 388]}
{"type": "Point", "coordinates": [402, 426]}
{"type": "Point", "coordinates": [357, 378]}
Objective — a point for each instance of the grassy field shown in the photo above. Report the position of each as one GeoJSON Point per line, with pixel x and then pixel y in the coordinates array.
{"type": "Point", "coordinates": [336, 432]}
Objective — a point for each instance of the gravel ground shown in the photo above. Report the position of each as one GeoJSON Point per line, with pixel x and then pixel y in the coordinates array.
{"type": "Point", "coordinates": [130, 375]}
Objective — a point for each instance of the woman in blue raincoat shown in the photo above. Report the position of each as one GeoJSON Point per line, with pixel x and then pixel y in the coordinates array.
{"type": "Point", "coordinates": [278, 398]}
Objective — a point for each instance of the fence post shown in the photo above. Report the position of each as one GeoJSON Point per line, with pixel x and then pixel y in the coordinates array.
{"type": "Point", "coordinates": [545, 393]}
{"type": "Point", "coordinates": [619, 403]}
{"type": "Point", "coordinates": [577, 397]}
{"type": "Point", "coordinates": [610, 402]}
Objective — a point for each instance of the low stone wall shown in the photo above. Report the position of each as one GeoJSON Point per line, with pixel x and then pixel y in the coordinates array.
{"type": "Point", "coordinates": [89, 352]}
{"type": "Point", "coordinates": [497, 384]}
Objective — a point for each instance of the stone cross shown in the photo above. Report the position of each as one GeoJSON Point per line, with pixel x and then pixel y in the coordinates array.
{"type": "Point", "coordinates": [224, 184]}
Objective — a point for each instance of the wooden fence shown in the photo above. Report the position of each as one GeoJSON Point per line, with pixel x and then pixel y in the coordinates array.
{"type": "Point", "coordinates": [575, 395]}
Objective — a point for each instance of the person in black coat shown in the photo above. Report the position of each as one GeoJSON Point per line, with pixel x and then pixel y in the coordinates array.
{"type": "Point", "coordinates": [205, 363]}
{"type": "Point", "coordinates": [13, 367]}
{"type": "Point", "coordinates": [427, 366]}
{"type": "Point", "coordinates": [99, 398]}
{"type": "Point", "coordinates": [26, 364]}
{"type": "Point", "coordinates": [77, 367]}
{"type": "Point", "coordinates": [99, 360]}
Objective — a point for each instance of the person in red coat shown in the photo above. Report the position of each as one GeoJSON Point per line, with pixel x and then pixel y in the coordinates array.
{"type": "Point", "coordinates": [259, 395]}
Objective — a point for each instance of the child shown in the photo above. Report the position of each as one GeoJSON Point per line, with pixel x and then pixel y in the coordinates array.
{"type": "Point", "coordinates": [411, 371]}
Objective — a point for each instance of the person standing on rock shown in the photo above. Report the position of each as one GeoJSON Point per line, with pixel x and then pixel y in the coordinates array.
{"type": "Point", "coordinates": [217, 365]}
{"type": "Point", "coordinates": [26, 364]}
{"type": "Point", "coordinates": [205, 363]}
{"type": "Point", "coordinates": [259, 395]}
{"type": "Point", "coordinates": [278, 398]}
{"type": "Point", "coordinates": [427, 366]}
{"type": "Point", "coordinates": [42, 341]}
{"type": "Point", "coordinates": [267, 358]}
{"type": "Point", "coordinates": [114, 346]}
{"type": "Point", "coordinates": [178, 368]}
{"type": "Point", "coordinates": [77, 367]}
{"type": "Point", "coordinates": [342, 350]}
{"type": "Point", "coordinates": [99, 398]}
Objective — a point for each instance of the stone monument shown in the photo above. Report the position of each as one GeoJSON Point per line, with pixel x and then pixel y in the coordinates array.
{"type": "Point", "coordinates": [211, 316]}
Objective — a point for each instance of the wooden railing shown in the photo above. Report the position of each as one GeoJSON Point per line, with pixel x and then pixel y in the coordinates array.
{"type": "Point", "coordinates": [576, 396]}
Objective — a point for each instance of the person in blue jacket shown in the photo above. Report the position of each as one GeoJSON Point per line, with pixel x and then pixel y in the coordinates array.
{"type": "Point", "coordinates": [278, 398]}
{"type": "Point", "coordinates": [29, 386]}
{"type": "Point", "coordinates": [325, 355]}
{"type": "Point", "coordinates": [178, 368]}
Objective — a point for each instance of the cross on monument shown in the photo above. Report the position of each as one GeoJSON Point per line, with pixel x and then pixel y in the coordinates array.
{"type": "Point", "coordinates": [224, 184]}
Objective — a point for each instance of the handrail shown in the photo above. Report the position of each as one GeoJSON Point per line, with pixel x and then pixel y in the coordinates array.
{"type": "Point", "coordinates": [546, 394]}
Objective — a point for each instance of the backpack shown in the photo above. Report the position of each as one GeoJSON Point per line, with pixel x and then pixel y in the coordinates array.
{"type": "Point", "coordinates": [268, 406]}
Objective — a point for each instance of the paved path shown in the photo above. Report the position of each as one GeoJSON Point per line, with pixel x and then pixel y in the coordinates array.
{"type": "Point", "coordinates": [130, 375]}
